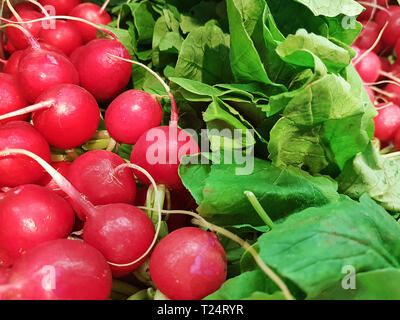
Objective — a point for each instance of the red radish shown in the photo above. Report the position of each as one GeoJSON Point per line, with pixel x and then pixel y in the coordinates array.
{"type": "Point", "coordinates": [72, 119]}
{"type": "Point", "coordinates": [368, 36]}
{"type": "Point", "coordinates": [387, 123]}
{"type": "Point", "coordinates": [17, 170]}
{"type": "Point", "coordinates": [60, 270]}
{"type": "Point", "coordinates": [40, 70]}
{"type": "Point", "coordinates": [159, 152]}
{"type": "Point", "coordinates": [397, 48]}
{"type": "Point", "coordinates": [123, 225]}
{"type": "Point", "coordinates": [369, 67]}
{"type": "Point", "coordinates": [93, 175]}
{"type": "Point", "coordinates": [392, 91]}
{"type": "Point", "coordinates": [25, 6]}
{"type": "Point", "coordinates": [31, 215]}
{"type": "Point", "coordinates": [9, 47]}
{"type": "Point", "coordinates": [11, 66]}
{"type": "Point", "coordinates": [392, 31]}
{"type": "Point", "coordinates": [48, 182]}
{"type": "Point", "coordinates": [92, 13]}
{"type": "Point", "coordinates": [396, 141]}
{"type": "Point", "coordinates": [370, 11]}
{"type": "Point", "coordinates": [131, 114]}
{"type": "Point", "coordinates": [16, 37]}
{"type": "Point", "coordinates": [11, 97]}
{"type": "Point", "coordinates": [62, 7]}
{"type": "Point", "coordinates": [382, 16]}
{"type": "Point", "coordinates": [188, 264]}
{"type": "Point", "coordinates": [102, 75]}
{"type": "Point", "coordinates": [74, 56]}
{"type": "Point", "coordinates": [65, 36]}
{"type": "Point", "coordinates": [119, 229]}
{"type": "Point", "coordinates": [371, 94]}
{"type": "Point", "coordinates": [386, 67]}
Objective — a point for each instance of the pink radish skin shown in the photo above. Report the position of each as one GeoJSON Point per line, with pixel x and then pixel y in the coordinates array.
{"type": "Point", "coordinates": [123, 225]}
{"type": "Point", "coordinates": [62, 7]}
{"type": "Point", "coordinates": [40, 70]}
{"type": "Point", "coordinates": [65, 36]}
{"type": "Point", "coordinates": [387, 123]}
{"type": "Point", "coordinates": [93, 175]}
{"type": "Point", "coordinates": [102, 75]}
{"type": "Point", "coordinates": [17, 170]}
{"type": "Point", "coordinates": [72, 119]}
{"type": "Point", "coordinates": [31, 215]}
{"type": "Point", "coordinates": [392, 31]}
{"type": "Point", "coordinates": [159, 152]}
{"type": "Point", "coordinates": [11, 97]}
{"type": "Point", "coordinates": [11, 66]}
{"type": "Point", "coordinates": [25, 6]}
{"type": "Point", "coordinates": [369, 68]}
{"type": "Point", "coordinates": [48, 182]}
{"type": "Point", "coordinates": [131, 234]}
{"type": "Point", "coordinates": [393, 91]}
{"type": "Point", "coordinates": [5, 260]}
{"type": "Point", "coordinates": [132, 107]}
{"type": "Point", "coordinates": [16, 37]}
{"type": "Point", "coordinates": [80, 273]}
{"type": "Point", "coordinates": [92, 13]}
{"type": "Point", "coordinates": [188, 264]}
{"type": "Point", "coordinates": [367, 14]}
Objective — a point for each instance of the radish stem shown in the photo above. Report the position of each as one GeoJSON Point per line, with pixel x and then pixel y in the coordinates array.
{"type": "Point", "coordinates": [32, 108]}
{"type": "Point", "coordinates": [259, 209]}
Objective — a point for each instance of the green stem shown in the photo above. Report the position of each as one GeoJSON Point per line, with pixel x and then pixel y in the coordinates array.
{"type": "Point", "coordinates": [259, 209]}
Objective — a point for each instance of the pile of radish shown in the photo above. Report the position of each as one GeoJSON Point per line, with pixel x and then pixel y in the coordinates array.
{"type": "Point", "coordinates": [378, 64]}
{"type": "Point", "coordinates": [70, 226]}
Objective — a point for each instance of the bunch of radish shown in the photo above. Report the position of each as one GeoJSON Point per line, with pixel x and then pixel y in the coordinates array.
{"type": "Point", "coordinates": [69, 226]}
{"type": "Point", "coordinates": [377, 62]}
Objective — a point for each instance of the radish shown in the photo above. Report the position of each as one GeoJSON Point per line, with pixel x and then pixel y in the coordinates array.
{"type": "Point", "coordinates": [122, 232]}
{"type": "Point", "coordinates": [392, 32]}
{"type": "Point", "coordinates": [40, 70]}
{"type": "Point", "coordinates": [48, 182]}
{"type": "Point", "coordinates": [159, 150]}
{"type": "Point", "coordinates": [92, 13]}
{"type": "Point", "coordinates": [62, 7]}
{"type": "Point", "coordinates": [5, 260]}
{"type": "Point", "coordinates": [132, 107]}
{"type": "Point", "coordinates": [371, 94]}
{"type": "Point", "coordinates": [368, 36]}
{"type": "Point", "coordinates": [16, 37]}
{"type": "Point", "coordinates": [188, 264]}
{"type": "Point", "coordinates": [370, 10]}
{"type": "Point", "coordinates": [387, 123]}
{"type": "Point", "coordinates": [11, 65]}
{"type": "Point", "coordinates": [71, 120]}
{"type": "Point", "coordinates": [30, 215]}
{"type": "Point", "coordinates": [93, 175]}
{"type": "Point", "coordinates": [25, 6]}
{"type": "Point", "coordinates": [101, 74]}
{"type": "Point", "coordinates": [17, 170]}
{"type": "Point", "coordinates": [397, 48]}
{"type": "Point", "coordinates": [60, 270]}
{"type": "Point", "coordinates": [382, 16]}
{"type": "Point", "coordinates": [392, 93]}
{"type": "Point", "coordinates": [11, 97]}
{"type": "Point", "coordinates": [65, 36]}
{"type": "Point", "coordinates": [368, 66]}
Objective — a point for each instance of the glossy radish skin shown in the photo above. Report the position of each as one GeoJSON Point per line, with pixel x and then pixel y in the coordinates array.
{"type": "Point", "coordinates": [369, 68]}
{"type": "Point", "coordinates": [392, 31]}
{"type": "Point", "coordinates": [48, 182]}
{"type": "Point", "coordinates": [103, 76]}
{"type": "Point", "coordinates": [11, 66]}
{"type": "Point", "coordinates": [62, 7]}
{"type": "Point", "coordinates": [72, 119]}
{"type": "Point", "coordinates": [387, 123]}
{"type": "Point", "coordinates": [159, 152]}
{"type": "Point", "coordinates": [65, 36]}
{"type": "Point", "coordinates": [122, 233]}
{"type": "Point", "coordinates": [70, 270]}
{"type": "Point", "coordinates": [131, 114]}
{"type": "Point", "coordinates": [188, 264]}
{"type": "Point", "coordinates": [31, 215]}
{"type": "Point", "coordinates": [11, 97]}
{"type": "Point", "coordinates": [5, 260]}
{"type": "Point", "coordinates": [92, 13]}
{"type": "Point", "coordinates": [17, 170]}
{"type": "Point", "coordinates": [40, 70]}
{"type": "Point", "coordinates": [93, 174]}
{"type": "Point", "coordinates": [16, 37]}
